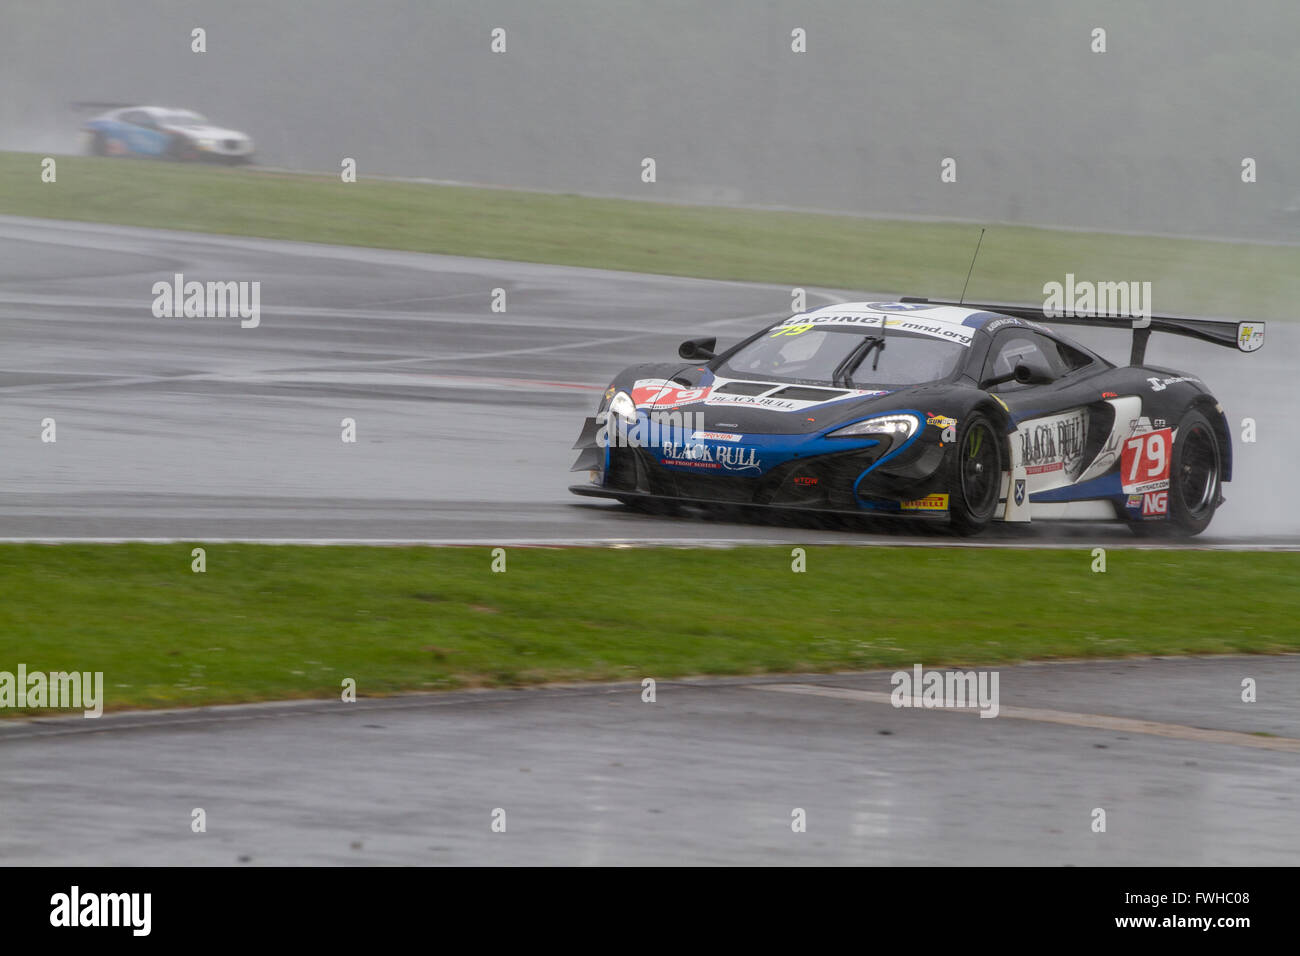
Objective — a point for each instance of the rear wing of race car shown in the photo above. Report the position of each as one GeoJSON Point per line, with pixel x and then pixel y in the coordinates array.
{"type": "Point", "coordinates": [1230, 333]}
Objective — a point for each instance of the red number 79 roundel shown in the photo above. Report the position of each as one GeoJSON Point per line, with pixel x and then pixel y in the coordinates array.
{"type": "Point", "coordinates": [1144, 463]}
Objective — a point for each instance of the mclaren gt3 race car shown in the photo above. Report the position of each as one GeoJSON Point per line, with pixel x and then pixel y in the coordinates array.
{"type": "Point", "coordinates": [164, 133]}
{"type": "Point", "coordinates": [951, 413]}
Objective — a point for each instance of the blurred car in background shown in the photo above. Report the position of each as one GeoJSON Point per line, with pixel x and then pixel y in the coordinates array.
{"type": "Point", "coordinates": [165, 133]}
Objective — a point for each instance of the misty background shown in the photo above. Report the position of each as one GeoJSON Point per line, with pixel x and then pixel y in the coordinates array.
{"type": "Point", "coordinates": [1147, 137]}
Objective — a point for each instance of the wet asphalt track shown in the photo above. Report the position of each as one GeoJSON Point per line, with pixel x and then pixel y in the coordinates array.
{"type": "Point", "coordinates": [197, 429]}
{"type": "Point", "coordinates": [707, 774]}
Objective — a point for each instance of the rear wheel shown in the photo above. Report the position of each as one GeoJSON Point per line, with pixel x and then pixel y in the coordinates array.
{"type": "Point", "coordinates": [1195, 480]}
{"type": "Point", "coordinates": [98, 145]}
{"type": "Point", "coordinates": [975, 476]}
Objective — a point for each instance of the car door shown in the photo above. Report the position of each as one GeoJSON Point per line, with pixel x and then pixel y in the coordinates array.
{"type": "Point", "coordinates": [1060, 423]}
{"type": "Point", "coordinates": [142, 134]}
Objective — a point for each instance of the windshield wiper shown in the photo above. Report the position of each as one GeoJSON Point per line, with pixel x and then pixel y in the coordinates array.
{"type": "Point", "coordinates": [855, 358]}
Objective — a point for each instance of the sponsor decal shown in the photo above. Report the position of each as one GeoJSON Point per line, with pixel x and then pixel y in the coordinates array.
{"type": "Point", "coordinates": [805, 322]}
{"type": "Point", "coordinates": [1109, 455]}
{"type": "Point", "coordinates": [1155, 504]}
{"type": "Point", "coordinates": [758, 401]}
{"type": "Point", "coordinates": [609, 392]}
{"type": "Point", "coordinates": [1001, 322]}
{"type": "Point", "coordinates": [806, 480]}
{"type": "Point", "coordinates": [1135, 501]}
{"type": "Point", "coordinates": [1250, 336]}
{"type": "Point", "coordinates": [1109, 395]}
{"type": "Point", "coordinates": [1005, 407]}
{"type": "Point", "coordinates": [928, 503]}
{"type": "Point", "coordinates": [1144, 463]}
{"type": "Point", "coordinates": [710, 458]}
{"type": "Point", "coordinates": [1160, 384]}
{"type": "Point", "coordinates": [952, 333]}
{"type": "Point", "coordinates": [1055, 443]}
{"type": "Point", "coordinates": [715, 436]}
{"type": "Point", "coordinates": [798, 324]}
{"type": "Point", "coordinates": [1020, 491]}
{"type": "Point", "coordinates": [942, 421]}
{"type": "Point", "coordinates": [658, 393]}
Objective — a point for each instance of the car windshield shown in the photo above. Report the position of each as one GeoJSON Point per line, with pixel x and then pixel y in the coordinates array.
{"type": "Point", "coordinates": [815, 354]}
{"type": "Point", "coordinates": [179, 118]}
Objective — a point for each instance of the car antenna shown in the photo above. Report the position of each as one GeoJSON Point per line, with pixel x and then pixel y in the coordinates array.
{"type": "Point", "coordinates": [972, 266]}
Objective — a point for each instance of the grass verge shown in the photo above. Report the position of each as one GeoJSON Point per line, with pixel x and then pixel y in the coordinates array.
{"type": "Point", "coordinates": [1197, 277]}
{"type": "Point", "coordinates": [273, 622]}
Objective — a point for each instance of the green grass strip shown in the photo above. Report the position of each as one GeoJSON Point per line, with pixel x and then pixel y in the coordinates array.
{"type": "Point", "coordinates": [1194, 277]}
{"type": "Point", "coordinates": [273, 622]}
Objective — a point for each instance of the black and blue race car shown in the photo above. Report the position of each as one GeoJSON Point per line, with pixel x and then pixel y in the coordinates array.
{"type": "Point", "coordinates": [960, 414]}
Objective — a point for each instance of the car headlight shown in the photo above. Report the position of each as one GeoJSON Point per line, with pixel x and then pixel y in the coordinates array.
{"type": "Point", "coordinates": [894, 426]}
{"type": "Point", "coordinates": [622, 408]}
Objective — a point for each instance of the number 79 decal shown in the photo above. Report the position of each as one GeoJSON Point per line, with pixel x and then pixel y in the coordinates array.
{"type": "Point", "coordinates": [1144, 463]}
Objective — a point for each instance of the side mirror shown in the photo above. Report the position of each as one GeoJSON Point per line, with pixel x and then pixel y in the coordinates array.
{"type": "Point", "coordinates": [698, 350]}
{"type": "Point", "coordinates": [1031, 371]}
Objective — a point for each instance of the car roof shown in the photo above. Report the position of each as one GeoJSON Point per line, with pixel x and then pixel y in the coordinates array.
{"type": "Point", "coordinates": [952, 322]}
{"type": "Point", "coordinates": [949, 323]}
{"type": "Point", "coordinates": [153, 109]}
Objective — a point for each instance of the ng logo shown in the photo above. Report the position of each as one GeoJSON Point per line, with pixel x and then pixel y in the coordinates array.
{"type": "Point", "coordinates": [1155, 503]}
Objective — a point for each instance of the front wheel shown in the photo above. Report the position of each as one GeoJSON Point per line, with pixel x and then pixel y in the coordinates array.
{"type": "Point", "coordinates": [975, 476]}
{"type": "Point", "coordinates": [181, 150]}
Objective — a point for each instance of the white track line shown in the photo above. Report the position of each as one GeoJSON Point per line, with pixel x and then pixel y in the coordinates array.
{"type": "Point", "coordinates": [1094, 721]}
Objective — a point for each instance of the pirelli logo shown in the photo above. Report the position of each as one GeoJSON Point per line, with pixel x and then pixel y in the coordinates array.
{"type": "Point", "coordinates": [929, 503]}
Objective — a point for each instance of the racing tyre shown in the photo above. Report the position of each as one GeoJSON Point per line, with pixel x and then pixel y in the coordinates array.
{"type": "Point", "coordinates": [975, 476]}
{"type": "Point", "coordinates": [98, 145]}
{"type": "Point", "coordinates": [1195, 481]}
